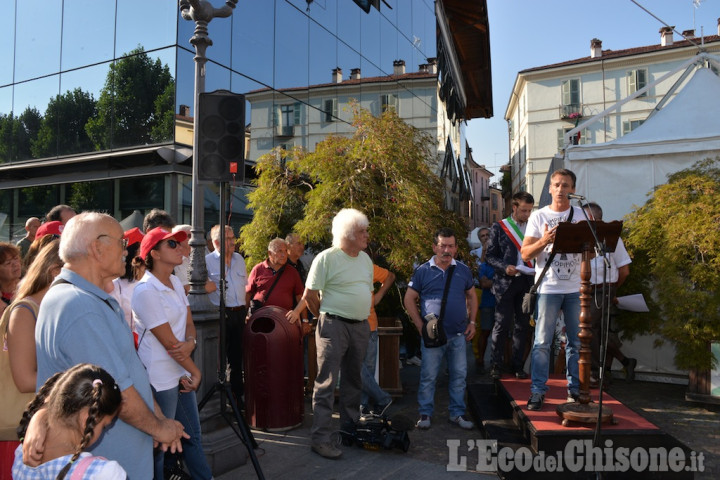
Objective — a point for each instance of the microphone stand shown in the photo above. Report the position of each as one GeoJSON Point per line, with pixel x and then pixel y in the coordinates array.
{"type": "Point", "coordinates": [599, 250]}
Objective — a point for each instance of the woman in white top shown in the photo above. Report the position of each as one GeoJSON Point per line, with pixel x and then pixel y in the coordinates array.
{"type": "Point", "coordinates": [166, 338]}
{"type": "Point", "coordinates": [123, 287]}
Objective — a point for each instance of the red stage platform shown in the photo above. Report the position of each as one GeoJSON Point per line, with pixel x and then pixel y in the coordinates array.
{"type": "Point", "coordinates": [501, 413]}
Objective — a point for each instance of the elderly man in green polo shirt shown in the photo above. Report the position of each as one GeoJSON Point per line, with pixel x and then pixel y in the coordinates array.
{"type": "Point", "coordinates": [338, 291]}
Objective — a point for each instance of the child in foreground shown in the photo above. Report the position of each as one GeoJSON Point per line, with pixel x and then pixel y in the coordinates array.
{"type": "Point", "coordinates": [80, 403]}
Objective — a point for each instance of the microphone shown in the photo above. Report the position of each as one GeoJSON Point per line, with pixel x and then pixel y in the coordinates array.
{"type": "Point", "coordinates": [574, 196]}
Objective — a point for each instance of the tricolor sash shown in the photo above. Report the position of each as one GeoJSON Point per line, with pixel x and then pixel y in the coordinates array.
{"type": "Point", "coordinates": [514, 233]}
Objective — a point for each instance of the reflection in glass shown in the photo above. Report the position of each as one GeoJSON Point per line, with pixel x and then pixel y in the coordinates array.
{"type": "Point", "coordinates": [253, 40]}
{"type": "Point", "coordinates": [141, 193]}
{"type": "Point", "coordinates": [220, 32]}
{"type": "Point", "coordinates": [62, 129]}
{"type": "Point", "coordinates": [91, 195]}
{"type": "Point", "coordinates": [217, 78]}
{"type": "Point", "coordinates": [6, 94]}
{"type": "Point", "coordinates": [389, 46]}
{"type": "Point", "coordinates": [323, 56]}
{"type": "Point", "coordinates": [36, 201]}
{"type": "Point", "coordinates": [31, 99]}
{"type": "Point", "coordinates": [37, 39]}
{"type": "Point", "coordinates": [132, 110]}
{"type": "Point", "coordinates": [185, 80]}
{"type": "Point", "coordinates": [291, 47]}
{"type": "Point", "coordinates": [88, 28]}
{"type": "Point", "coordinates": [371, 47]}
{"type": "Point", "coordinates": [6, 207]}
{"type": "Point", "coordinates": [150, 24]}
{"type": "Point", "coordinates": [7, 37]}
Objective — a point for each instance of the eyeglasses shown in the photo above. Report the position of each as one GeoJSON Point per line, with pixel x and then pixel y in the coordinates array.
{"type": "Point", "coordinates": [123, 241]}
{"type": "Point", "coordinates": [172, 243]}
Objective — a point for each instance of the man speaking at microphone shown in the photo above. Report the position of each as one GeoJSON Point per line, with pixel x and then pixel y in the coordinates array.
{"type": "Point", "coordinates": [559, 288]}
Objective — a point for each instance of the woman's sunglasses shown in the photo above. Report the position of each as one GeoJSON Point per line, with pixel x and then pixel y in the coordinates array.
{"type": "Point", "coordinates": [172, 243]}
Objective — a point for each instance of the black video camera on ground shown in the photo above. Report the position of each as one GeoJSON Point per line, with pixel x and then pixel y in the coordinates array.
{"type": "Point", "coordinates": [374, 432]}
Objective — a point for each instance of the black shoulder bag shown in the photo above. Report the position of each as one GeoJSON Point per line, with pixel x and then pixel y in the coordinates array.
{"type": "Point", "coordinates": [438, 337]}
{"type": "Point", "coordinates": [255, 305]}
{"type": "Point", "coordinates": [530, 298]}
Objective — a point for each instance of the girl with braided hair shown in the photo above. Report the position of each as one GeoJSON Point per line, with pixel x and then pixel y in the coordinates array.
{"type": "Point", "coordinates": [80, 403]}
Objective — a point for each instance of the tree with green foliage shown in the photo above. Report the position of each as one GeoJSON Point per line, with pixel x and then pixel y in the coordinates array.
{"type": "Point", "coordinates": [17, 134]}
{"type": "Point", "coordinates": [386, 169]}
{"type": "Point", "coordinates": [128, 112]}
{"type": "Point", "coordinates": [62, 131]}
{"type": "Point", "coordinates": [674, 242]}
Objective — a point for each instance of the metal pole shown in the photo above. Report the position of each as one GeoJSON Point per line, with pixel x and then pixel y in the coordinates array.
{"type": "Point", "coordinates": [201, 12]}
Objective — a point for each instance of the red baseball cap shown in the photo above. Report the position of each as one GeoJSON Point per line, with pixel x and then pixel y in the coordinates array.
{"type": "Point", "coordinates": [157, 235]}
{"type": "Point", "coordinates": [49, 228]}
{"type": "Point", "coordinates": [133, 236]}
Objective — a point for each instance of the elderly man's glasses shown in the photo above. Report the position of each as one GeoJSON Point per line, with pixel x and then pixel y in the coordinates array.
{"type": "Point", "coordinates": [123, 241]}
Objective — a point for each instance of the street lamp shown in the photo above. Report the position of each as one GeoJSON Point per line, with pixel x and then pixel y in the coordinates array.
{"type": "Point", "coordinates": [201, 12]}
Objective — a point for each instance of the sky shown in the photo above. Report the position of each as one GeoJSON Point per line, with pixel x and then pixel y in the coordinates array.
{"type": "Point", "coordinates": [533, 33]}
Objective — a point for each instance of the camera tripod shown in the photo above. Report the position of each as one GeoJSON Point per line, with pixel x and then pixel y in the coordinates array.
{"type": "Point", "coordinates": [222, 386]}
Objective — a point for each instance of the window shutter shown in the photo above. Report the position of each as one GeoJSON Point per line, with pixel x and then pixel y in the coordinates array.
{"type": "Point", "coordinates": [276, 116]}
{"type": "Point", "coordinates": [632, 82]}
{"type": "Point", "coordinates": [566, 92]}
{"type": "Point", "coordinates": [297, 120]}
{"type": "Point", "coordinates": [560, 135]}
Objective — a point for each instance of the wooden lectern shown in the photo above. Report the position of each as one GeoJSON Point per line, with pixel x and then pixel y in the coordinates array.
{"type": "Point", "coordinates": [578, 238]}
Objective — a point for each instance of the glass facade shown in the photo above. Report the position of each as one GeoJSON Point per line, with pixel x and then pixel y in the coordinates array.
{"type": "Point", "coordinates": [84, 77]}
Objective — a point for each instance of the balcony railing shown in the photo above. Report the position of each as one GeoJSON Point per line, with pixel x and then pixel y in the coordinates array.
{"type": "Point", "coordinates": [284, 130]}
{"type": "Point", "coordinates": [571, 112]}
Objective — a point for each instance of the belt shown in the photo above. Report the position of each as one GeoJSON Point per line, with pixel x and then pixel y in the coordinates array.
{"type": "Point", "coordinates": [235, 309]}
{"type": "Point", "coordinates": [342, 319]}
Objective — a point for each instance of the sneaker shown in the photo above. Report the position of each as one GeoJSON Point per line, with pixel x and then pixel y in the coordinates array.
{"type": "Point", "coordinates": [423, 423]}
{"type": "Point", "coordinates": [326, 450]}
{"type": "Point", "coordinates": [462, 422]}
{"type": "Point", "coordinates": [594, 382]}
{"type": "Point", "coordinates": [630, 369]}
{"type": "Point", "coordinates": [365, 412]}
{"type": "Point", "coordinates": [521, 375]}
{"type": "Point", "coordinates": [536, 401]}
{"type": "Point", "coordinates": [573, 397]}
{"type": "Point", "coordinates": [495, 372]}
{"type": "Point", "coordinates": [414, 361]}
{"type": "Point", "coordinates": [381, 410]}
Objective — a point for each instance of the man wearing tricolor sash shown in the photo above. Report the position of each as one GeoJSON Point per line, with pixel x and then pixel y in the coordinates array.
{"type": "Point", "coordinates": [513, 278]}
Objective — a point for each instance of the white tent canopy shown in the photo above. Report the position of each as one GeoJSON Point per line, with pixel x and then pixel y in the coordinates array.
{"type": "Point", "coordinates": [619, 174]}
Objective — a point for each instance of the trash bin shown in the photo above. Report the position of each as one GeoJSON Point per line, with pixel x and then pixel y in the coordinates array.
{"type": "Point", "coordinates": [273, 356]}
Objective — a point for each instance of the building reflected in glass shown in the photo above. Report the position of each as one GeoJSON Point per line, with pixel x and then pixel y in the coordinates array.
{"type": "Point", "coordinates": [96, 96]}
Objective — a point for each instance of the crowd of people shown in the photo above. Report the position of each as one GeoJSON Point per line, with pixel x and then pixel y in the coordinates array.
{"type": "Point", "coordinates": [126, 291]}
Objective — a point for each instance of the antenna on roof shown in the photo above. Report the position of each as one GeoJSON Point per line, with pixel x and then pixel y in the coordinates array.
{"type": "Point", "coordinates": [669, 26]}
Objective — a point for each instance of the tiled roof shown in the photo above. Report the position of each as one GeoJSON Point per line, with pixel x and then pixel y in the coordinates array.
{"type": "Point", "coordinates": [607, 54]}
{"type": "Point", "coordinates": [383, 79]}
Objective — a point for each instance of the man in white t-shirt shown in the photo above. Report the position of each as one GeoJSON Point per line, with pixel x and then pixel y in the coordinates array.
{"type": "Point", "coordinates": [613, 278]}
{"type": "Point", "coordinates": [559, 289]}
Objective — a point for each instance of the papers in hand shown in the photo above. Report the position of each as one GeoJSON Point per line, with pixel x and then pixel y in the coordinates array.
{"type": "Point", "coordinates": [525, 269]}
{"type": "Point", "coordinates": [633, 303]}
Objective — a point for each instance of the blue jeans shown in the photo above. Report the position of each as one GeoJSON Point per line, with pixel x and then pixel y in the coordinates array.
{"type": "Point", "coordinates": [548, 308]}
{"type": "Point", "coordinates": [454, 352]}
{"type": "Point", "coordinates": [370, 388]}
{"type": "Point", "coordinates": [168, 402]}
{"type": "Point", "coordinates": [187, 414]}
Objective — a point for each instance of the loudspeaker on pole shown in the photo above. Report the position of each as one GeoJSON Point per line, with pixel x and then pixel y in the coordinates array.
{"type": "Point", "coordinates": [221, 148]}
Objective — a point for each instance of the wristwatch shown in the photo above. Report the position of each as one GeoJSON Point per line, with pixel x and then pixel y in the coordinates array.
{"type": "Point", "coordinates": [193, 339]}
